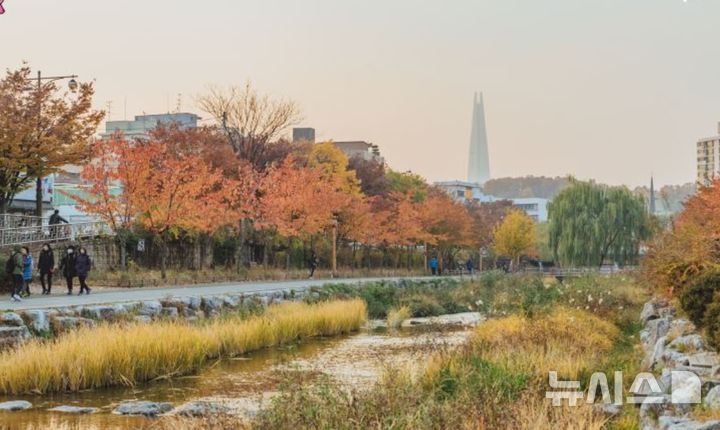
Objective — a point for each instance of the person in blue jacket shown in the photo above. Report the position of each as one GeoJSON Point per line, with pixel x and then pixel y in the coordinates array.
{"type": "Point", "coordinates": [27, 270]}
{"type": "Point", "coordinates": [434, 266]}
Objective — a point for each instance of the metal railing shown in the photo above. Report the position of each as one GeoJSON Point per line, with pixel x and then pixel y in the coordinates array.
{"type": "Point", "coordinates": [577, 271]}
{"type": "Point", "coordinates": [15, 220]}
{"type": "Point", "coordinates": [53, 233]}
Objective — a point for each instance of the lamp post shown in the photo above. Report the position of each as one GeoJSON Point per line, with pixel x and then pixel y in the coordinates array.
{"type": "Point", "coordinates": [334, 247]}
{"type": "Point", "coordinates": [72, 85]}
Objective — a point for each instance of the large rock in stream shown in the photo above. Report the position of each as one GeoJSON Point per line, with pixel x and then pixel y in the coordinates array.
{"type": "Point", "coordinates": [138, 407]}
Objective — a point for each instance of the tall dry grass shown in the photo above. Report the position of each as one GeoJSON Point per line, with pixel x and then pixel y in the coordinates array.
{"type": "Point", "coordinates": [567, 341]}
{"type": "Point", "coordinates": [128, 354]}
{"type": "Point", "coordinates": [395, 317]}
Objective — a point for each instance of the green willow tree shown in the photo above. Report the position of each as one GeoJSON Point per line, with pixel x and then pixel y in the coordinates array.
{"type": "Point", "coordinates": [592, 223]}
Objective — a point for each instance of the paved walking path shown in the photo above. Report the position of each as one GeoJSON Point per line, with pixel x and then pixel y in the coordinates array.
{"type": "Point", "coordinates": [138, 294]}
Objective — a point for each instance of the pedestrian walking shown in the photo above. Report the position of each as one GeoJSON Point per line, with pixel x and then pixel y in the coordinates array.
{"type": "Point", "coordinates": [312, 264]}
{"type": "Point", "coordinates": [46, 267]}
{"type": "Point", "coordinates": [27, 270]}
{"type": "Point", "coordinates": [68, 267]}
{"type": "Point", "coordinates": [14, 269]}
{"type": "Point", "coordinates": [82, 267]}
{"type": "Point", "coordinates": [469, 266]}
{"type": "Point", "coordinates": [433, 266]}
{"type": "Point", "coordinates": [54, 220]}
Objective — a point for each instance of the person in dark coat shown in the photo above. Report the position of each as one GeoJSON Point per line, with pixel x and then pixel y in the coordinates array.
{"type": "Point", "coordinates": [46, 267]}
{"type": "Point", "coordinates": [469, 266]}
{"type": "Point", "coordinates": [312, 264]}
{"type": "Point", "coordinates": [54, 220]}
{"type": "Point", "coordinates": [82, 267]}
{"type": "Point", "coordinates": [17, 273]}
{"type": "Point", "coordinates": [68, 267]}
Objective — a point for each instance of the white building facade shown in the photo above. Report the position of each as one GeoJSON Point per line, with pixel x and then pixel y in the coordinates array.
{"type": "Point", "coordinates": [466, 192]}
{"type": "Point", "coordinates": [708, 159]}
{"type": "Point", "coordinates": [535, 208]}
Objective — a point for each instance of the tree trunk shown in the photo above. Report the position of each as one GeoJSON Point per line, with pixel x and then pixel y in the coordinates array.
{"type": "Point", "coordinates": [38, 197]}
{"type": "Point", "coordinates": [333, 265]}
{"type": "Point", "coordinates": [425, 258]}
{"type": "Point", "coordinates": [163, 258]}
{"type": "Point", "coordinates": [266, 251]}
{"type": "Point", "coordinates": [123, 251]}
{"type": "Point", "coordinates": [287, 254]}
{"type": "Point", "coordinates": [240, 260]}
{"type": "Point", "coordinates": [354, 255]}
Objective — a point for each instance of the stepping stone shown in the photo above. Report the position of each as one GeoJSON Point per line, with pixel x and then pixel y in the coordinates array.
{"type": "Point", "coordinates": [74, 409]}
{"type": "Point", "coordinates": [148, 409]}
{"type": "Point", "coordinates": [15, 405]}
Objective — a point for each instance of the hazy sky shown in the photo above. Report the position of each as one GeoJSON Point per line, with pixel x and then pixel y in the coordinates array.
{"type": "Point", "coordinates": [604, 89]}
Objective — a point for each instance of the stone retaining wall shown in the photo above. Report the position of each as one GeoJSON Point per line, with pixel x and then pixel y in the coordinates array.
{"type": "Point", "coordinates": [17, 327]}
{"type": "Point", "coordinates": [674, 344]}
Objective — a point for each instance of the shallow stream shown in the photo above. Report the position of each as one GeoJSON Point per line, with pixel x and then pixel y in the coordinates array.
{"type": "Point", "coordinates": [244, 383]}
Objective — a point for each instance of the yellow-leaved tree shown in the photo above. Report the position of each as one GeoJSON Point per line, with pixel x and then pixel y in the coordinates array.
{"type": "Point", "coordinates": [515, 237]}
{"type": "Point", "coordinates": [333, 164]}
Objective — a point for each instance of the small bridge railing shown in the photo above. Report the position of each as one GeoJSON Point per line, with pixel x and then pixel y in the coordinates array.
{"type": "Point", "coordinates": [575, 272]}
{"type": "Point", "coordinates": [53, 233]}
{"type": "Point", "coordinates": [15, 220]}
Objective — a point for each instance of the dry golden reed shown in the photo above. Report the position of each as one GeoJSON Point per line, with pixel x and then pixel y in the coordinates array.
{"type": "Point", "coordinates": [567, 341]}
{"type": "Point", "coordinates": [128, 354]}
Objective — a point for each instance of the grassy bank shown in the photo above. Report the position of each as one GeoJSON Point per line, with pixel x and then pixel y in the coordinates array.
{"type": "Point", "coordinates": [128, 354]}
{"type": "Point", "coordinates": [494, 294]}
{"type": "Point", "coordinates": [497, 379]}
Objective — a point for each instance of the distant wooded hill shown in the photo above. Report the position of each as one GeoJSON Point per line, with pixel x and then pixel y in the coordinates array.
{"type": "Point", "coordinates": [667, 199]}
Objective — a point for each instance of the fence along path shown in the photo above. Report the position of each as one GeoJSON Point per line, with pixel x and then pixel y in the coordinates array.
{"type": "Point", "coordinates": [27, 230]}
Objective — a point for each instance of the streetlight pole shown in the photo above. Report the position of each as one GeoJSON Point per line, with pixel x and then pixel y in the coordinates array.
{"type": "Point", "coordinates": [334, 247]}
{"type": "Point", "coordinates": [72, 85]}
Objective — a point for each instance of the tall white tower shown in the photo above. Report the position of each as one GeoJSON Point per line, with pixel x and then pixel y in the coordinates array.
{"type": "Point", "coordinates": [479, 160]}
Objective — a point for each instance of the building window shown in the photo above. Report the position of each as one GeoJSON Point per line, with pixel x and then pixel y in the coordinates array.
{"type": "Point", "coordinates": [527, 207]}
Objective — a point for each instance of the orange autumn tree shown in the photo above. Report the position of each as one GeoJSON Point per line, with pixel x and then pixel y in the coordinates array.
{"type": "Point", "coordinates": [178, 194]}
{"type": "Point", "coordinates": [690, 247]}
{"type": "Point", "coordinates": [162, 191]}
{"type": "Point", "coordinates": [297, 201]}
{"type": "Point", "coordinates": [110, 191]}
{"type": "Point", "coordinates": [446, 223]}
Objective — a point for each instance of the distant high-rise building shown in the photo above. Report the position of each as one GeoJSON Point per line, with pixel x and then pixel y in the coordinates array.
{"type": "Point", "coordinates": [142, 125]}
{"type": "Point", "coordinates": [479, 161]}
{"type": "Point", "coordinates": [651, 203]}
{"type": "Point", "coordinates": [708, 159]}
{"type": "Point", "coordinates": [306, 134]}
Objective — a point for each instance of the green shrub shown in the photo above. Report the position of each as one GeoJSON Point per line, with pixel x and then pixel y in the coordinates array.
{"type": "Point", "coordinates": [423, 305]}
{"type": "Point", "coordinates": [536, 298]}
{"type": "Point", "coordinates": [711, 321]}
{"type": "Point", "coordinates": [480, 378]}
{"type": "Point", "coordinates": [698, 294]}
